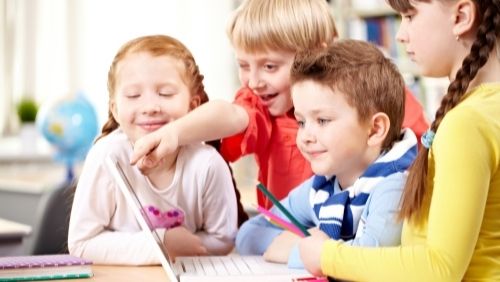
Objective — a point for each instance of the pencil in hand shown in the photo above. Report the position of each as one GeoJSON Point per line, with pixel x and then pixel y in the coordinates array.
{"type": "Point", "coordinates": [282, 209]}
{"type": "Point", "coordinates": [276, 220]}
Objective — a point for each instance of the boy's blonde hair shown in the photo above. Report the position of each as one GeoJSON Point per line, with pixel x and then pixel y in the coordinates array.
{"type": "Point", "coordinates": [287, 25]}
{"type": "Point", "coordinates": [370, 82]}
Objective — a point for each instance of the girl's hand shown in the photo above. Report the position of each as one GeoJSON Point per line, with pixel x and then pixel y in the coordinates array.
{"type": "Point", "coordinates": [310, 251]}
{"type": "Point", "coordinates": [181, 242]}
{"type": "Point", "coordinates": [280, 247]}
{"type": "Point", "coordinates": [151, 148]}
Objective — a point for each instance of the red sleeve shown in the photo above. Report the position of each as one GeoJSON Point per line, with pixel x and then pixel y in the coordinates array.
{"type": "Point", "coordinates": [414, 115]}
{"type": "Point", "coordinates": [255, 136]}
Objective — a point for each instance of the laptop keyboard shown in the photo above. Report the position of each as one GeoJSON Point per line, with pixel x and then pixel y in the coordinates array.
{"type": "Point", "coordinates": [223, 265]}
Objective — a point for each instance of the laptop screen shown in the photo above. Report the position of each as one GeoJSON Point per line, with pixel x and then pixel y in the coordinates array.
{"type": "Point", "coordinates": [133, 202]}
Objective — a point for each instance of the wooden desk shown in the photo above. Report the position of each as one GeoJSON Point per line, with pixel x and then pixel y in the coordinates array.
{"type": "Point", "coordinates": [106, 273]}
{"type": "Point", "coordinates": [19, 149]}
{"type": "Point", "coordinates": [11, 237]}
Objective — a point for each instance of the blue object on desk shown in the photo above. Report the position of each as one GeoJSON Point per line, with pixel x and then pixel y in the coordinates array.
{"type": "Point", "coordinates": [70, 125]}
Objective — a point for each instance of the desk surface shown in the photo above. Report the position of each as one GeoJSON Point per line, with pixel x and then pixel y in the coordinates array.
{"type": "Point", "coordinates": [31, 177]}
{"type": "Point", "coordinates": [11, 237]}
{"type": "Point", "coordinates": [106, 273]}
{"type": "Point", "coordinates": [10, 229]}
{"type": "Point", "coordinates": [19, 149]}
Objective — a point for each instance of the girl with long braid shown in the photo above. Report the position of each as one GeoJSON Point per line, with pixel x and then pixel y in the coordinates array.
{"type": "Point", "coordinates": [451, 201]}
{"type": "Point", "coordinates": [189, 198]}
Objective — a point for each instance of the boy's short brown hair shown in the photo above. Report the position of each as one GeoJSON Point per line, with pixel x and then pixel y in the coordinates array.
{"type": "Point", "coordinates": [370, 81]}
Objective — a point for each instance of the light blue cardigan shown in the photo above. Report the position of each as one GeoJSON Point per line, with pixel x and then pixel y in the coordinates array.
{"type": "Point", "coordinates": [381, 228]}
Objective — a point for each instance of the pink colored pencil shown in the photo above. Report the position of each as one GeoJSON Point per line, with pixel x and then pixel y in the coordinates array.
{"type": "Point", "coordinates": [280, 222]}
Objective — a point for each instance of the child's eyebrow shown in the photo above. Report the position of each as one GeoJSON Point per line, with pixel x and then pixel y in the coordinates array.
{"type": "Point", "coordinates": [320, 110]}
{"type": "Point", "coordinates": [166, 84]}
{"type": "Point", "coordinates": [268, 57]}
{"type": "Point", "coordinates": [273, 60]}
{"type": "Point", "coordinates": [131, 87]}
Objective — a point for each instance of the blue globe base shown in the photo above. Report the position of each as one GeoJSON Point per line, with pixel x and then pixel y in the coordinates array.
{"type": "Point", "coordinates": [70, 174]}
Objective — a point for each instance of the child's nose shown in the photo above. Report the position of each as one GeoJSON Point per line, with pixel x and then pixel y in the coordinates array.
{"type": "Point", "coordinates": [255, 82]}
{"type": "Point", "coordinates": [151, 108]}
{"type": "Point", "coordinates": [151, 104]}
{"type": "Point", "coordinates": [306, 135]}
{"type": "Point", "coordinates": [402, 35]}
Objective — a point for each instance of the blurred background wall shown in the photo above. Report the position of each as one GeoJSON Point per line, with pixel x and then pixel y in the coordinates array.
{"type": "Point", "coordinates": [54, 48]}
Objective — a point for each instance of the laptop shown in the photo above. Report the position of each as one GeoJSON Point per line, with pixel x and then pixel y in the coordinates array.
{"type": "Point", "coordinates": [203, 268]}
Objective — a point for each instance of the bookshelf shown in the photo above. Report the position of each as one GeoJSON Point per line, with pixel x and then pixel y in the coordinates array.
{"type": "Point", "coordinates": [377, 22]}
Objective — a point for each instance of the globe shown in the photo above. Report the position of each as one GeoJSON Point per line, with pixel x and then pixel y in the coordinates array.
{"type": "Point", "coordinates": [70, 125]}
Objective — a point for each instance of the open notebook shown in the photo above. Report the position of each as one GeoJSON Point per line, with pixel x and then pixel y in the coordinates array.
{"type": "Point", "coordinates": [208, 268]}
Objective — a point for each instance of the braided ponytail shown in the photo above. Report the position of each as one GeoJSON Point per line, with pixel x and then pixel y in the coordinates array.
{"type": "Point", "coordinates": [486, 38]}
{"type": "Point", "coordinates": [108, 127]}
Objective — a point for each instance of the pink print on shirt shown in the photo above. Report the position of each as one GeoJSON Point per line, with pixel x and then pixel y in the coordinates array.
{"type": "Point", "coordinates": [168, 219]}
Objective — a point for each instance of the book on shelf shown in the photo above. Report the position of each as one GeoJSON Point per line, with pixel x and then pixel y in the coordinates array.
{"type": "Point", "coordinates": [44, 267]}
{"type": "Point", "coordinates": [381, 30]}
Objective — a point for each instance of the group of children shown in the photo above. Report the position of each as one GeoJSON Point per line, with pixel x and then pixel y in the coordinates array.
{"type": "Point", "coordinates": [334, 132]}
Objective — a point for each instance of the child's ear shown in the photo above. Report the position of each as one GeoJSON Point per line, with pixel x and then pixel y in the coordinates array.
{"type": "Point", "coordinates": [464, 17]}
{"type": "Point", "coordinates": [379, 127]}
{"type": "Point", "coordinates": [195, 102]}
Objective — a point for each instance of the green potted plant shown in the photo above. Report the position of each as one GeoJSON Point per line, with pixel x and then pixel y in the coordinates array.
{"type": "Point", "coordinates": [27, 110]}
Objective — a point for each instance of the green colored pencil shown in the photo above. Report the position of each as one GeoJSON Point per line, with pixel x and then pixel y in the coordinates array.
{"type": "Point", "coordinates": [282, 209]}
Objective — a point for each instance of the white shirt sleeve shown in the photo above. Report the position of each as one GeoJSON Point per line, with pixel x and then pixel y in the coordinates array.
{"type": "Point", "coordinates": [100, 226]}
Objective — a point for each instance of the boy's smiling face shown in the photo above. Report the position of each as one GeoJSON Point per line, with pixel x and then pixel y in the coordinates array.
{"type": "Point", "coordinates": [267, 73]}
{"type": "Point", "coordinates": [330, 136]}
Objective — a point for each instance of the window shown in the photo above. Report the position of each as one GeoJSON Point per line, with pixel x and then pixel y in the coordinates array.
{"type": "Point", "coordinates": [53, 48]}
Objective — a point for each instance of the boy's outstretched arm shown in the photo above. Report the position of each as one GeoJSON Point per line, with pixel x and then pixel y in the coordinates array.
{"type": "Point", "coordinates": [210, 121]}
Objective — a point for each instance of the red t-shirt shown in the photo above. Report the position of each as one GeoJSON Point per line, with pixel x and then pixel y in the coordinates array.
{"type": "Point", "coordinates": [272, 141]}
{"type": "Point", "coordinates": [414, 115]}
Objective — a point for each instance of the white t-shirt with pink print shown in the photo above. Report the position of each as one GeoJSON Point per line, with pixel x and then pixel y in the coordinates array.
{"type": "Point", "coordinates": [201, 198]}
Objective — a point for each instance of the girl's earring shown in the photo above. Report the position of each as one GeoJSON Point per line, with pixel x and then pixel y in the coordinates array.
{"type": "Point", "coordinates": [457, 38]}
